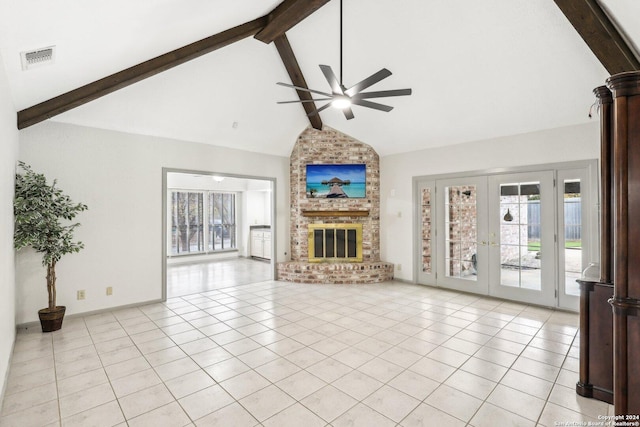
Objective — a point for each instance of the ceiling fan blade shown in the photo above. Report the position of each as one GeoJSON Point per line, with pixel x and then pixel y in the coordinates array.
{"type": "Point", "coordinates": [303, 89]}
{"type": "Point", "coordinates": [317, 110]}
{"type": "Point", "coordinates": [304, 100]}
{"type": "Point", "coordinates": [348, 113]}
{"type": "Point", "coordinates": [383, 94]}
{"type": "Point", "coordinates": [332, 79]}
{"type": "Point", "coordinates": [371, 80]}
{"type": "Point", "coordinates": [370, 104]}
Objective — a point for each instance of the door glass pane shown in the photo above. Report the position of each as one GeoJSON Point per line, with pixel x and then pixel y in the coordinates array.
{"type": "Point", "coordinates": [520, 233]}
{"type": "Point", "coordinates": [462, 235]}
{"type": "Point", "coordinates": [572, 236]}
{"type": "Point", "coordinates": [426, 230]}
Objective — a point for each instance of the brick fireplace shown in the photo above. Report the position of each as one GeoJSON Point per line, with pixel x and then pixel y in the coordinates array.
{"type": "Point", "coordinates": [329, 146]}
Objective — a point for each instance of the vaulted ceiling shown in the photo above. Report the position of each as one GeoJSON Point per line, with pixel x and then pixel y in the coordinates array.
{"type": "Point", "coordinates": [477, 69]}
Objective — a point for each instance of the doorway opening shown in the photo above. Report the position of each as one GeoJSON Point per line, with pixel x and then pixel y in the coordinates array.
{"type": "Point", "coordinates": [210, 224]}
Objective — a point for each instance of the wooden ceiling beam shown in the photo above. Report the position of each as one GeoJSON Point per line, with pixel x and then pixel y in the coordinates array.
{"type": "Point", "coordinates": [285, 16]}
{"type": "Point", "coordinates": [602, 37]}
{"type": "Point", "coordinates": [291, 64]}
{"type": "Point", "coordinates": [107, 85]}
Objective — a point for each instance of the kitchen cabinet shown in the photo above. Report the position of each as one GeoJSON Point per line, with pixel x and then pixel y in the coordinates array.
{"type": "Point", "coordinates": [261, 243]}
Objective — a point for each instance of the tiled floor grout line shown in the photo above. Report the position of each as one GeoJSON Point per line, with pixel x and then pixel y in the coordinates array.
{"type": "Point", "coordinates": [203, 369]}
{"type": "Point", "coordinates": [104, 367]}
{"type": "Point", "coordinates": [498, 382]}
{"type": "Point", "coordinates": [511, 367]}
{"type": "Point", "coordinates": [494, 387]}
{"type": "Point", "coordinates": [446, 322]}
{"type": "Point", "coordinates": [457, 369]}
{"type": "Point", "coordinates": [254, 368]}
{"type": "Point", "coordinates": [307, 346]}
{"type": "Point", "coordinates": [190, 357]}
{"type": "Point", "coordinates": [557, 375]}
{"type": "Point", "coordinates": [407, 369]}
{"type": "Point", "coordinates": [55, 373]}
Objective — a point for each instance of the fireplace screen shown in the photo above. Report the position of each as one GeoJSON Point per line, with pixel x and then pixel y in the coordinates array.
{"type": "Point", "coordinates": [335, 242]}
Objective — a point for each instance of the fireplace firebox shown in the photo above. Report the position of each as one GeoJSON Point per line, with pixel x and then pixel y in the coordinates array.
{"type": "Point", "coordinates": [335, 242]}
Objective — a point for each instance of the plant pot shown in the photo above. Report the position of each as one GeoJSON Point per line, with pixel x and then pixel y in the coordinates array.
{"type": "Point", "coordinates": [51, 319]}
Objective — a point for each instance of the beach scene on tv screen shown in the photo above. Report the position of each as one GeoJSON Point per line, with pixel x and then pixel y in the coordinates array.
{"type": "Point", "coordinates": [336, 181]}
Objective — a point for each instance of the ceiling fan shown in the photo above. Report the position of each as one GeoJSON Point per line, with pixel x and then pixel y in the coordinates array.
{"type": "Point", "coordinates": [343, 98]}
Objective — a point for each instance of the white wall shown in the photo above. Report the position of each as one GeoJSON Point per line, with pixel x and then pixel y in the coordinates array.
{"type": "Point", "coordinates": [397, 172]}
{"type": "Point", "coordinates": [119, 176]}
{"type": "Point", "coordinates": [8, 156]}
{"type": "Point", "coordinates": [258, 208]}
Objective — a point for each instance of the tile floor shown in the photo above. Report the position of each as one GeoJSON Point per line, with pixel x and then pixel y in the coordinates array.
{"type": "Point", "coordinates": [194, 277]}
{"type": "Point", "coordinates": [283, 354]}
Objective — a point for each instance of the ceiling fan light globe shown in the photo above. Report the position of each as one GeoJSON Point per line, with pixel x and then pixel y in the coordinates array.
{"type": "Point", "coordinates": [341, 103]}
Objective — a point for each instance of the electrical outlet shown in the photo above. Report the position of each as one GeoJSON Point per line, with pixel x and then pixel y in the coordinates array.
{"type": "Point", "coordinates": [81, 294]}
{"type": "Point", "coordinates": [399, 267]}
{"type": "Point", "coordinates": [109, 290]}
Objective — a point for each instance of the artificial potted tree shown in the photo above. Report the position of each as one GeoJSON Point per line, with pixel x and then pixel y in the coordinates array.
{"type": "Point", "coordinates": [43, 216]}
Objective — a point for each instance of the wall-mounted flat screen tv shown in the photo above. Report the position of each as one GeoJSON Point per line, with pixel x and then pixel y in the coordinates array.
{"type": "Point", "coordinates": [336, 181]}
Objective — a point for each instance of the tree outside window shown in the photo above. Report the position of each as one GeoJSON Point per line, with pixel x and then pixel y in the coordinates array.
{"type": "Point", "coordinates": [188, 213]}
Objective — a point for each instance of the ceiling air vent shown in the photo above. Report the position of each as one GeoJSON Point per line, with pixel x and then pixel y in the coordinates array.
{"type": "Point", "coordinates": [38, 57]}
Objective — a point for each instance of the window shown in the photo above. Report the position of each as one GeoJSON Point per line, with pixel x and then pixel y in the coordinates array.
{"type": "Point", "coordinates": [222, 221]}
{"type": "Point", "coordinates": [189, 209]}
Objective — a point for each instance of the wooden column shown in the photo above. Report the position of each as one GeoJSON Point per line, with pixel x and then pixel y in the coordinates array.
{"type": "Point", "coordinates": [605, 104]}
{"type": "Point", "coordinates": [596, 319]}
{"type": "Point", "coordinates": [626, 298]}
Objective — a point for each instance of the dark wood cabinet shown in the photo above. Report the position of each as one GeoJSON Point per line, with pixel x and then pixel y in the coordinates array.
{"type": "Point", "coordinates": [596, 341]}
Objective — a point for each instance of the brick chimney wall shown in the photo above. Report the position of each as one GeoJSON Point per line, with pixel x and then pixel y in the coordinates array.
{"type": "Point", "coordinates": [329, 146]}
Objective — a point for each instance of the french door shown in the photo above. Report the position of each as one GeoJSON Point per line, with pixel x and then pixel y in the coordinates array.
{"type": "Point", "coordinates": [495, 235]}
{"type": "Point", "coordinates": [462, 234]}
{"type": "Point", "coordinates": [575, 242]}
{"type": "Point", "coordinates": [522, 237]}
